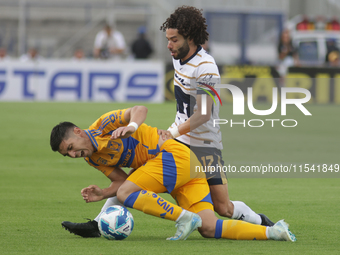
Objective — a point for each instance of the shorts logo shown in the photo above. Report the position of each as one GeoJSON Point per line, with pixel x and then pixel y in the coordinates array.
{"type": "Point", "coordinates": [114, 145]}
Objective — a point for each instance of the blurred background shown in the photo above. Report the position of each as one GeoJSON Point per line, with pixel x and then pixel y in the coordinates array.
{"type": "Point", "coordinates": [282, 36]}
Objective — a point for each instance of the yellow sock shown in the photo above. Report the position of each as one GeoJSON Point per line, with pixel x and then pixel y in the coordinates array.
{"type": "Point", "coordinates": [239, 230]}
{"type": "Point", "coordinates": [150, 203]}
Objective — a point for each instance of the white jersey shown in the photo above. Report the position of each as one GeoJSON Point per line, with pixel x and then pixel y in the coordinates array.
{"type": "Point", "coordinates": [201, 67]}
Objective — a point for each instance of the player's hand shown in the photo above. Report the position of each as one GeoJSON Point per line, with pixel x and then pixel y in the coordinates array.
{"type": "Point", "coordinates": [92, 194]}
{"type": "Point", "coordinates": [122, 132]}
{"type": "Point", "coordinates": [165, 134]}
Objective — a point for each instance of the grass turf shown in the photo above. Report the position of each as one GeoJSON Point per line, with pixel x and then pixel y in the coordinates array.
{"type": "Point", "coordinates": [39, 188]}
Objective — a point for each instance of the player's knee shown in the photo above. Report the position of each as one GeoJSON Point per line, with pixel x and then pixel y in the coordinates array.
{"type": "Point", "coordinates": [122, 194]}
{"type": "Point", "coordinates": [120, 197]}
{"type": "Point", "coordinates": [208, 223]}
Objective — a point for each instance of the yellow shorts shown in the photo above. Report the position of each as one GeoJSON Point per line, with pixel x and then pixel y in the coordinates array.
{"type": "Point", "coordinates": [173, 171]}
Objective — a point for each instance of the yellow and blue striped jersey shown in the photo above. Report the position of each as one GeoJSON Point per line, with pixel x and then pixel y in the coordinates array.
{"type": "Point", "coordinates": [132, 152]}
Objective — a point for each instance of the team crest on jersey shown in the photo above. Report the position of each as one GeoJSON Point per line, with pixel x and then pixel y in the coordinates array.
{"type": "Point", "coordinates": [207, 80]}
{"type": "Point", "coordinates": [113, 145]}
{"type": "Point", "coordinates": [102, 161]}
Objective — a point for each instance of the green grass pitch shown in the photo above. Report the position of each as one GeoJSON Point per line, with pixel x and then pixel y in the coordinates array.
{"type": "Point", "coordinates": [40, 189]}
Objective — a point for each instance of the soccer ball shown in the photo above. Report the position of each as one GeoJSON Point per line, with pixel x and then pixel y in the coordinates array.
{"type": "Point", "coordinates": [116, 223]}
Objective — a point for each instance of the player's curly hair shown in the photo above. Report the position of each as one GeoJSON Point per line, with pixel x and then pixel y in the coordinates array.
{"type": "Point", "coordinates": [189, 22]}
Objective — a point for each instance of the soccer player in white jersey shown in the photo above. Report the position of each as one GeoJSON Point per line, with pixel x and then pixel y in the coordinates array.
{"type": "Point", "coordinates": [186, 31]}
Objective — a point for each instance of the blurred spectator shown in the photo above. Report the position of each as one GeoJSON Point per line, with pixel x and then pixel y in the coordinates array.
{"type": "Point", "coordinates": [3, 54]}
{"type": "Point", "coordinates": [108, 43]}
{"type": "Point", "coordinates": [332, 55]}
{"type": "Point", "coordinates": [78, 55]}
{"type": "Point", "coordinates": [303, 25]}
{"type": "Point", "coordinates": [31, 55]}
{"type": "Point", "coordinates": [141, 48]}
{"type": "Point", "coordinates": [320, 23]}
{"type": "Point", "coordinates": [287, 53]}
{"type": "Point", "coordinates": [333, 59]}
{"type": "Point", "coordinates": [333, 24]}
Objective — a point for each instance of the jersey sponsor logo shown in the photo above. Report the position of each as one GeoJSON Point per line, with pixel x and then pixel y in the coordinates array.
{"type": "Point", "coordinates": [113, 145]}
{"type": "Point", "coordinates": [127, 158]}
{"type": "Point", "coordinates": [167, 207]}
{"type": "Point", "coordinates": [181, 80]}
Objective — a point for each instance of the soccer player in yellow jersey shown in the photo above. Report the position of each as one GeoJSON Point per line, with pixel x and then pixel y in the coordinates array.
{"type": "Point", "coordinates": [120, 139]}
{"type": "Point", "coordinates": [186, 30]}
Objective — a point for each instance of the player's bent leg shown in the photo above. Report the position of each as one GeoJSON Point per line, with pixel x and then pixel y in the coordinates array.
{"type": "Point", "coordinates": [140, 190]}
{"type": "Point", "coordinates": [236, 229]}
{"type": "Point", "coordinates": [126, 189]}
{"type": "Point", "coordinates": [147, 201]}
{"type": "Point", "coordinates": [219, 191]}
{"type": "Point", "coordinates": [229, 229]}
{"type": "Point", "coordinates": [87, 229]}
{"type": "Point", "coordinates": [186, 224]}
{"type": "Point", "coordinates": [152, 204]}
{"type": "Point", "coordinates": [240, 230]}
{"type": "Point", "coordinates": [280, 232]}
{"type": "Point", "coordinates": [208, 223]}
{"type": "Point", "coordinates": [109, 202]}
{"type": "Point", "coordinates": [245, 213]}
{"type": "Point", "coordinates": [90, 228]}
{"type": "Point", "coordinates": [220, 197]}
{"type": "Point", "coordinates": [235, 209]}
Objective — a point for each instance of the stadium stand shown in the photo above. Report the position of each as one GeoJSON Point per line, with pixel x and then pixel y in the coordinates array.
{"type": "Point", "coordinates": [57, 28]}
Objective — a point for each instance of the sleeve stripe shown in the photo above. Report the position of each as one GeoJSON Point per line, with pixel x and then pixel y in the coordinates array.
{"type": "Point", "coordinates": [182, 85]}
{"type": "Point", "coordinates": [184, 75]}
{"type": "Point", "coordinates": [205, 62]}
{"type": "Point", "coordinates": [205, 74]}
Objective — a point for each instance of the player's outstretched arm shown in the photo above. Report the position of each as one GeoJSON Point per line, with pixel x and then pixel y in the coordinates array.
{"type": "Point", "coordinates": [93, 193]}
{"type": "Point", "coordinates": [135, 116]}
{"type": "Point", "coordinates": [195, 120]}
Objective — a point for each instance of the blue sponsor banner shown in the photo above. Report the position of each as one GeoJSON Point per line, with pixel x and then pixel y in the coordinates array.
{"type": "Point", "coordinates": [57, 80]}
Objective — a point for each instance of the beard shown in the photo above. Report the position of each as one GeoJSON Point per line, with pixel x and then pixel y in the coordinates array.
{"type": "Point", "coordinates": [183, 51]}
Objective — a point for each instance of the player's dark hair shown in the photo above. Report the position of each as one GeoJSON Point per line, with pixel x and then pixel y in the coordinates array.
{"type": "Point", "coordinates": [59, 133]}
{"type": "Point", "coordinates": [189, 22]}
